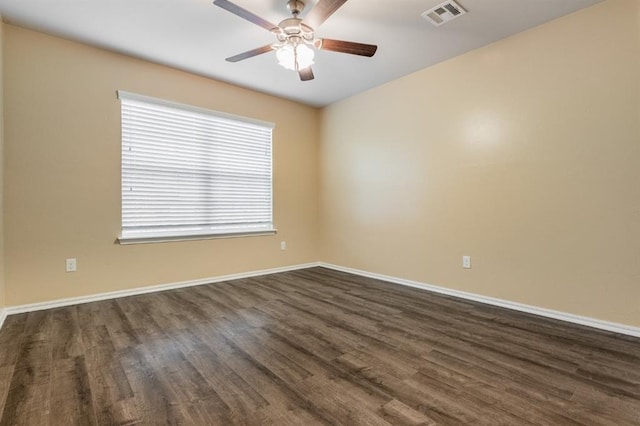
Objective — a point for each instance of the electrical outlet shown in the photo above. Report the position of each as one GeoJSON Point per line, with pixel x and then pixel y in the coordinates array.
{"type": "Point", "coordinates": [466, 262]}
{"type": "Point", "coordinates": [72, 265]}
{"type": "Point", "coordinates": [283, 245]}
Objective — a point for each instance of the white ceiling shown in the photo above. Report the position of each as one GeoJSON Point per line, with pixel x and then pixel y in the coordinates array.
{"type": "Point", "coordinates": [196, 36]}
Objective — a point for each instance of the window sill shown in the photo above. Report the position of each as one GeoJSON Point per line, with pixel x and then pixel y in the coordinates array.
{"type": "Point", "coordinates": [148, 239]}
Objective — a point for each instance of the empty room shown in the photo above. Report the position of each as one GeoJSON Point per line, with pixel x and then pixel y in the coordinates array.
{"type": "Point", "coordinates": [320, 212]}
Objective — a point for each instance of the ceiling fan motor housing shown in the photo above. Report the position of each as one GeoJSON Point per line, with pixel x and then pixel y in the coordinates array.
{"type": "Point", "coordinates": [294, 28]}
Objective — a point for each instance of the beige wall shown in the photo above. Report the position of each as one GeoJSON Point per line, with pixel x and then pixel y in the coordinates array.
{"type": "Point", "coordinates": [524, 155]}
{"type": "Point", "coordinates": [62, 177]}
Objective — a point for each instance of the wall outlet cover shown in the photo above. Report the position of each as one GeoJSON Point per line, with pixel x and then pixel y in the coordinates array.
{"type": "Point", "coordinates": [71, 265]}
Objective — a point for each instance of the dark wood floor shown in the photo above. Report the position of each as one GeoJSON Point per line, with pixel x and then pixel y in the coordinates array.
{"type": "Point", "coordinates": [310, 347]}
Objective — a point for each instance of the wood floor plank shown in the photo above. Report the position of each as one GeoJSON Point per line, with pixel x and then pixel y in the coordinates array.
{"type": "Point", "coordinates": [397, 413]}
{"type": "Point", "coordinates": [138, 321]}
{"type": "Point", "coordinates": [29, 399]}
{"type": "Point", "coordinates": [311, 347]}
{"type": "Point", "coordinates": [498, 388]}
{"type": "Point", "coordinates": [242, 400]}
{"type": "Point", "coordinates": [621, 410]}
{"type": "Point", "coordinates": [89, 324]}
{"type": "Point", "coordinates": [73, 406]}
{"type": "Point", "coordinates": [5, 380]}
{"type": "Point", "coordinates": [285, 368]}
{"type": "Point", "coordinates": [66, 336]}
{"type": "Point", "coordinates": [118, 325]}
{"type": "Point", "coordinates": [154, 401]}
{"type": "Point", "coordinates": [343, 401]}
{"type": "Point", "coordinates": [111, 391]}
{"type": "Point", "coordinates": [11, 339]}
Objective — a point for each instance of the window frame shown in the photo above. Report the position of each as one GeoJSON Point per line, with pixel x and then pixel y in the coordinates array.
{"type": "Point", "coordinates": [158, 236]}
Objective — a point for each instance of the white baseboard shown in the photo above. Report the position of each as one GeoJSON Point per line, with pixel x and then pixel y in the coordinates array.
{"type": "Point", "coordinates": [3, 316]}
{"type": "Point", "coordinates": [143, 290]}
{"type": "Point", "coordinates": [563, 316]}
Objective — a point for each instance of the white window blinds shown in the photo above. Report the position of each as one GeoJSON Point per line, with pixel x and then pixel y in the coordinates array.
{"type": "Point", "coordinates": [190, 172]}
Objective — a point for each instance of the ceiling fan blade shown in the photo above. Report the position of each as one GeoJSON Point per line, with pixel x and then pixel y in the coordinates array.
{"type": "Point", "coordinates": [322, 11]}
{"type": "Point", "coordinates": [306, 74]}
{"type": "Point", "coordinates": [350, 47]}
{"type": "Point", "coordinates": [245, 14]}
{"type": "Point", "coordinates": [250, 53]}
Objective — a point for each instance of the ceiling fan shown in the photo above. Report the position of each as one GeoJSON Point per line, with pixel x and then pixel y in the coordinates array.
{"type": "Point", "coordinates": [295, 39]}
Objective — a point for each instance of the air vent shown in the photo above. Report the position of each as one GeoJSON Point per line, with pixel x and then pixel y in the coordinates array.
{"type": "Point", "coordinates": [443, 13]}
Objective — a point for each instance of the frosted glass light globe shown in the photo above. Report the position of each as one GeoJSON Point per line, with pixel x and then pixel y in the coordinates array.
{"type": "Point", "coordinates": [288, 54]}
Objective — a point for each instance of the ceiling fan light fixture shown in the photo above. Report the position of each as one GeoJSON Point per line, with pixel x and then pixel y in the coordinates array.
{"type": "Point", "coordinates": [296, 42]}
{"type": "Point", "coordinates": [295, 57]}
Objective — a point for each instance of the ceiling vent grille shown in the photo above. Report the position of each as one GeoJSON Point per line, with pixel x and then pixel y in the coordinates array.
{"type": "Point", "coordinates": [443, 13]}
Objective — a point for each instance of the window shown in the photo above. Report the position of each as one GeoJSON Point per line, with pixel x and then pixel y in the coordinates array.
{"type": "Point", "coordinates": [190, 173]}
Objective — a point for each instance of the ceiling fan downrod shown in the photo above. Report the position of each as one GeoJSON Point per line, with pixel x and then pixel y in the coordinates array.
{"type": "Point", "coordinates": [295, 7]}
